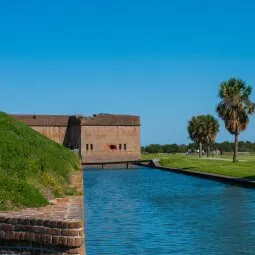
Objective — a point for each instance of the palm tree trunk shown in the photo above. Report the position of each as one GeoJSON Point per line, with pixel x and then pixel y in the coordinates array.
{"type": "Point", "coordinates": [200, 149]}
{"type": "Point", "coordinates": [208, 151]}
{"type": "Point", "coordinates": [235, 157]}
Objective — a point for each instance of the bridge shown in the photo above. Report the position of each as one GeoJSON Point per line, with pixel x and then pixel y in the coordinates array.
{"type": "Point", "coordinates": [127, 164]}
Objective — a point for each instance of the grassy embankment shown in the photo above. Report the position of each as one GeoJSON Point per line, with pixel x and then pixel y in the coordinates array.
{"type": "Point", "coordinates": [218, 165]}
{"type": "Point", "coordinates": [33, 169]}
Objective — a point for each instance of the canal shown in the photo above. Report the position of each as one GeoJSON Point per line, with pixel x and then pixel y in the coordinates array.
{"type": "Point", "coordinates": [152, 212]}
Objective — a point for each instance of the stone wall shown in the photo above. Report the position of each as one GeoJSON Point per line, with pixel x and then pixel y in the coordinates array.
{"type": "Point", "coordinates": [57, 134]}
{"type": "Point", "coordinates": [106, 141]}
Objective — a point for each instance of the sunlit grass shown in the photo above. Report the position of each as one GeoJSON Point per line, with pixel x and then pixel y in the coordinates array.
{"type": "Point", "coordinates": [218, 164]}
{"type": "Point", "coordinates": [33, 168]}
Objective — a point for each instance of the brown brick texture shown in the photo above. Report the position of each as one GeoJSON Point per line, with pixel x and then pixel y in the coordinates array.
{"type": "Point", "coordinates": [55, 229]}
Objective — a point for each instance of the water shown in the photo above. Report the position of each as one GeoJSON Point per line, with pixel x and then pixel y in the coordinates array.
{"type": "Point", "coordinates": [152, 212]}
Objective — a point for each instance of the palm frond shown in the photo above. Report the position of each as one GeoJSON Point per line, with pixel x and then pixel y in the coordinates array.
{"type": "Point", "coordinates": [235, 105]}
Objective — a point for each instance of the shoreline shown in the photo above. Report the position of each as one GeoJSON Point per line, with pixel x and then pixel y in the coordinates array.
{"type": "Point", "coordinates": [236, 181]}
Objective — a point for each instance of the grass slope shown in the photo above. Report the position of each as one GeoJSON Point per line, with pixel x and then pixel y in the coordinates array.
{"type": "Point", "coordinates": [223, 166]}
{"type": "Point", "coordinates": [33, 168]}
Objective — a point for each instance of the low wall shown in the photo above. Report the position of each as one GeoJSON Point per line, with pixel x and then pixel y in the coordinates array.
{"type": "Point", "coordinates": [57, 229]}
{"type": "Point", "coordinates": [76, 180]}
{"type": "Point", "coordinates": [54, 229]}
{"type": "Point", "coordinates": [216, 177]}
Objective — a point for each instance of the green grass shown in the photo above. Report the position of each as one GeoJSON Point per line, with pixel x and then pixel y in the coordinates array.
{"type": "Point", "coordinates": [245, 169]}
{"type": "Point", "coordinates": [33, 169]}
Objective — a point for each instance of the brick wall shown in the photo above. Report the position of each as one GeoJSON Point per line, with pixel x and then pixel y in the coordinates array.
{"type": "Point", "coordinates": [57, 134]}
{"type": "Point", "coordinates": [102, 131]}
{"type": "Point", "coordinates": [76, 180]}
{"type": "Point", "coordinates": [102, 137]}
{"type": "Point", "coordinates": [55, 229]}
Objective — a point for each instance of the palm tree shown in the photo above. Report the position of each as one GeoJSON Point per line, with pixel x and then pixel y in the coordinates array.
{"type": "Point", "coordinates": [210, 130]}
{"type": "Point", "coordinates": [196, 133]}
{"type": "Point", "coordinates": [235, 108]}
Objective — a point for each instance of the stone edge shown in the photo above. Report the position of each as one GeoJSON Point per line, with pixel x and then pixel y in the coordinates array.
{"type": "Point", "coordinates": [219, 178]}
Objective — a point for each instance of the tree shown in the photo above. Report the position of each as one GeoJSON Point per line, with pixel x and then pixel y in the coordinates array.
{"type": "Point", "coordinates": [210, 130]}
{"type": "Point", "coordinates": [196, 133]}
{"type": "Point", "coordinates": [235, 108]}
{"type": "Point", "coordinates": [182, 148]}
{"type": "Point", "coordinates": [226, 146]}
{"type": "Point", "coordinates": [192, 146]}
{"type": "Point", "coordinates": [154, 148]}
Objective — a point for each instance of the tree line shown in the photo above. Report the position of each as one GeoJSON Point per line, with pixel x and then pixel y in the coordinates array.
{"type": "Point", "coordinates": [235, 108]}
{"type": "Point", "coordinates": [244, 146]}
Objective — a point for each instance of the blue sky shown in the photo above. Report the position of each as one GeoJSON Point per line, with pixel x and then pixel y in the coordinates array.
{"type": "Point", "coordinates": [162, 60]}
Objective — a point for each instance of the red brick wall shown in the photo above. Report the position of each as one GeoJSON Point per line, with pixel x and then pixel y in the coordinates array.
{"type": "Point", "coordinates": [55, 229]}
{"type": "Point", "coordinates": [102, 137]}
{"type": "Point", "coordinates": [56, 134]}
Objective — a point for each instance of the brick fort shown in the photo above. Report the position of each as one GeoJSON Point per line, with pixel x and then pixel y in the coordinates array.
{"type": "Point", "coordinates": [100, 138]}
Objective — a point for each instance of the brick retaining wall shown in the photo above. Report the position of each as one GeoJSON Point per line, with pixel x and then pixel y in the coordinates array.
{"type": "Point", "coordinates": [76, 180]}
{"type": "Point", "coordinates": [57, 229]}
{"type": "Point", "coordinates": [54, 229]}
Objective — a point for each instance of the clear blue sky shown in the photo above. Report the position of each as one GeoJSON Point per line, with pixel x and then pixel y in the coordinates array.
{"type": "Point", "coordinates": [160, 59]}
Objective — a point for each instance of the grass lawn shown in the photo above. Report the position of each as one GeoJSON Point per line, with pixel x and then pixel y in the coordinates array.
{"type": "Point", "coordinates": [33, 169]}
{"type": "Point", "coordinates": [221, 165]}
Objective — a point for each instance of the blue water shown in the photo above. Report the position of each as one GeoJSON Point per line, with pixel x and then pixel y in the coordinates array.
{"type": "Point", "coordinates": [152, 212]}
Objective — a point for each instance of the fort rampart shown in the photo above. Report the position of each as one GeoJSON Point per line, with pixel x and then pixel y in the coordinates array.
{"type": "Point", "coordinates": [100, 138]}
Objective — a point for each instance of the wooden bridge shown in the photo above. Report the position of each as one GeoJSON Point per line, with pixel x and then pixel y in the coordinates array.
{"type": "Point", "coordinates": [127, 164]}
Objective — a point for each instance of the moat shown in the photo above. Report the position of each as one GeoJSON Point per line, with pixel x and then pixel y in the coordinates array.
{"type": "Point", "coordinates": [152, 212]}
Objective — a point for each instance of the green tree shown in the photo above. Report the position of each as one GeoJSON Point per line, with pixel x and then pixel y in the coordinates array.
{"type": "Point", "coordinates": [210, 130]}
{"type": "Point", "coordinates": [235, 108]}
{"type": "Point", "coordinates": [196, 132]}
{"type": "Point", "coordinates": [154, 148]}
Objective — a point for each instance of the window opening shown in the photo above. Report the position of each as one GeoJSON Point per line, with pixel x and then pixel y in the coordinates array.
{"type": "Point", "coordinates": [113, 147]}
